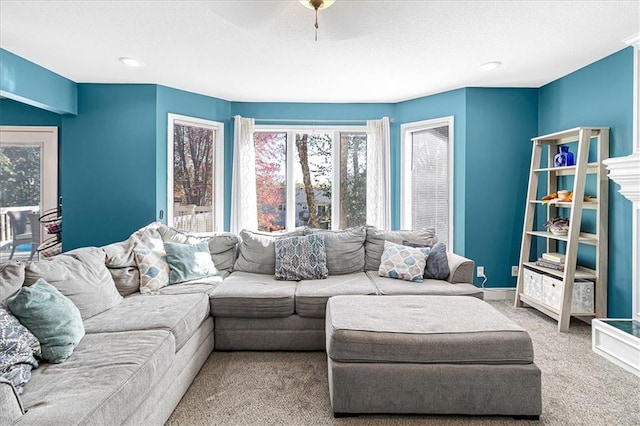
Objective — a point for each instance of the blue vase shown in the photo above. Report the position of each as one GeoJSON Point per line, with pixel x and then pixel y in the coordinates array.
{"type": "Point", "coordinates": [564, 158]}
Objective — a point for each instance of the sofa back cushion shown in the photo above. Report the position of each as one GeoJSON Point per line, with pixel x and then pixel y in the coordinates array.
{"type": "Point", "coordinates": [80, 275]}
{"type": "Point", "coordinates": [224, 250]}
{"type": "Point", "coordinates": [257, 253]}
{"type": "Point", "coordinates": [11, 279]}
{"type": "Point", "coordinates": [344, 248]}
{"type": "Point", "coordinates": [374, 244]}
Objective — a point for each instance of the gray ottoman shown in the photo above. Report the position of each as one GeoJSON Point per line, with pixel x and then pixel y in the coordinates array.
{"type": "Point", "coordinates": [428, 355]}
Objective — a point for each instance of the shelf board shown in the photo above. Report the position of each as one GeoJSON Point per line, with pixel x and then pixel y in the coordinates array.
{"type": "Point", "coordinates": [590, 205]}
{"type": "Point", "coordinates": [568, 170]}
{"type": "Point", "coordinates": [583, 238]}
{"type": "Point", "coordinates": [570, 135]}
{"type": "Point", "coordinates": [548, 310]}
{"type": "Point", "coordinates": [582, 273]}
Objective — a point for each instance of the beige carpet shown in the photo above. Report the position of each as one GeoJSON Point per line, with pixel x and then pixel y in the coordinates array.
{"type": "Point", "coordinates": [290, 388]}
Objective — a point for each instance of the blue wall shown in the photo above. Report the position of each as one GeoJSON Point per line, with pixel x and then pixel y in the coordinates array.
{"type": "Point", "coordinates": [500, 124]}
{"type": "Point", "coordinates": [108, 164]}
{"type": "Point", "coordinates": [14, 113]}
{"type": "Point", "coordinates": [601, 94]}
{"type": "Point", "coordinates": [34, 85]}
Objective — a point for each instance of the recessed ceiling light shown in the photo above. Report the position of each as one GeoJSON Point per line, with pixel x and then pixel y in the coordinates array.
{"type": "Point", "coordinates": [131, 62]}
{"type": "Point", "coordinates": [488, 66]}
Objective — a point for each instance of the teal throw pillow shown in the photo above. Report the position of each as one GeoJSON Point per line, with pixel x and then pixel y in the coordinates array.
{"type": "Point", "coordinates": [189, 261]}
{"type": "Point", "coordinates": [51, 317]}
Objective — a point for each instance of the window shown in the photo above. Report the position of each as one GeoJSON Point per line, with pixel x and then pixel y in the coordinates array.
{"type": "Point", "coordinates": [310, 178]}
{"type": "Point", "coordinates": [195, 174]}
{"type": "Point", "coordinates": [427, 177]}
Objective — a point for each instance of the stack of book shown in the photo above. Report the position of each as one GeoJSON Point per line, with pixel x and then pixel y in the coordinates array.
{"type": "Point", "coordinates": [552, 261]}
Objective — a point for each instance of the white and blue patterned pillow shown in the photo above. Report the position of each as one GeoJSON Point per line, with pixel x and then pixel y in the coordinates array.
{"type": "Point", "coordinates": [402, 262]}
{"type": "Point", "coordinates": [301, 258]}
{"type": "Point", "coordinates": [151, 259]}
{"type": "Point", "coordinates": [17, 346]}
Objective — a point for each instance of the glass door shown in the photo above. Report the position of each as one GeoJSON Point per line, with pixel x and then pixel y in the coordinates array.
{"type": "Point", "coordinates": [28, 188]}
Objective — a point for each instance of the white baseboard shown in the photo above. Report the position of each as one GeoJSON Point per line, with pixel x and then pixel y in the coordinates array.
{"type": "Point", "coordinates": [499, 293]}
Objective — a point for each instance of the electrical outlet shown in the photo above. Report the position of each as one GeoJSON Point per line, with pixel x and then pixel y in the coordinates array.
{"type": "Point", "coordinates": [480, 272]}
{"type": "Point", "coordinates": [514, 271]}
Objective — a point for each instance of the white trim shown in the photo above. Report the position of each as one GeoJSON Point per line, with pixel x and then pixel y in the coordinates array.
{"type": "Point", "coordinates": [615, 345]}
{"type": "Point", "coordinates": [405, 166]}
{"type": "Point", "coordinates": [218, 182]}
{"type": "Point", "coordinates": [45, 137]}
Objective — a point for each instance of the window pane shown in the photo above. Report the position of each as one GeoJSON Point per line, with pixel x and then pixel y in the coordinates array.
{"type": "Point", "coordinates": [193, 187]}
{"type": "Point", "coordinates": [312, 178]}
{"type": "Point", "coordinates": [271, 180]}
{"type": "Point", "coordinates": [353, 179]}
{"type": "Point", "coordinates": [430, 181]}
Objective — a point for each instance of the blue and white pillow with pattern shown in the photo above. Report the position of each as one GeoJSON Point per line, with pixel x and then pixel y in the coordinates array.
{"type": "Point", "coordinates": [402, 262]}
{"type": "Point", "coordinates": [17, 347]}
{"type": "Point", "coordinates": [301, 258]}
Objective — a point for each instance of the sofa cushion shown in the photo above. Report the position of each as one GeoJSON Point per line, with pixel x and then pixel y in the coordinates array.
{"type": "Point", "coordinates": [301, 258]}
{"type": "Point", "coordinates": [244, 294]}
{"type": "Point", "coordinates": [403, 262]}
{"type": "Point", "coordinates": [17, 346]}
{"type": "Point", "coordinates": [105, 380]}
{"type": "Point", "coordinates": [312, 296]}
{"type": "Point", "coordinates": [393, 287]}
{"type": "Point", "coordinates": [423, 329]}
{"type": "Point", "coordinates": [11, 279]}
{"type": "Point", "coordinates": [181, 314]}
{"type": "Point", "coordinates": [201, 285]}
{"type": "Point", "coordinates": [51, 317]}
{"type": "Point", "coordinates": [257, 253]}
{"type": "Point", "coordinates": [345, 249]}
{"type": "Point", "coordinates": [374, 244]}
{"type": "Point", "coordinates": [189, 262]}
{"type": "Point", "coordinates": [82, 276]}
{"type": "Point", "coordinates": [224, 250]}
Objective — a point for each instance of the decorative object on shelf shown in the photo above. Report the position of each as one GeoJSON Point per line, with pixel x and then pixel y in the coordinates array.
{"type": "Point", "coordinates": [557, 226]}
{"type": "Point", "coordinates": [52, 222]}
{"type": "Point", "coordinates": [564, 157]}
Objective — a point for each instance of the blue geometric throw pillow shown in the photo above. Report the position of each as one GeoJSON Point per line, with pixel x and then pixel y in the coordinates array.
{"type": "Point", "coordinates": [301, 258]}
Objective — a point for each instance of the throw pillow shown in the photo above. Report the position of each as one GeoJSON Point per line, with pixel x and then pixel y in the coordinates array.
{"type": "Point", "coordinates": [301, 258]}
{"type": "Point", "coordinates": [153, 267]}
{"type": "Point", "coordinates": [17, 346]}
{"type": "Point", "coordinates": [403, 262]}
{"type": "Point", "coordinates": [437, 262]}
{"type": "Point", "coordinates": [82, 276]}
{"type": "Point", "coordinates": [189, 262]}
{"type": "Point", "coordinates": [256, 251]}
{"type": "Point", "coordinates": [51, 317]}
{"type": "Point", "coordinates": [374, 244]}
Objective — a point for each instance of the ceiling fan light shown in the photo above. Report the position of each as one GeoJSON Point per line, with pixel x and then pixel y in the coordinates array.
{"type": "Point", "coordinates": [323, 4]}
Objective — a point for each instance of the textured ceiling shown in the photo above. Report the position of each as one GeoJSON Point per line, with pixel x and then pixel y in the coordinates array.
{"type": "Point", "coordinates": [367, 51]}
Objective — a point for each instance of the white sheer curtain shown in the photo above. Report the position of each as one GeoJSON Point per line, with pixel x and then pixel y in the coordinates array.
{"type": "Point", "coordinates": [244, 213]}
{"type": "Point", "coordinates": [378, 173]}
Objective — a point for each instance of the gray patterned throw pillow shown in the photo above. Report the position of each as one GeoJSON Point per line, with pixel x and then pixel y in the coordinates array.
{"type": "Point", "coordinates": [301, 258]}
{"type": "Point", "coordinates": [17, 346]}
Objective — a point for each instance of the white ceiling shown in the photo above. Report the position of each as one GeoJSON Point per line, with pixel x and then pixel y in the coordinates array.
{"type": "Point", "coordinates": [367, 51]}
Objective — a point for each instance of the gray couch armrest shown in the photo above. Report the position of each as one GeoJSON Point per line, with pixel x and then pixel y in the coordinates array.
{"type": "Point", "coordinates": [10, 403]}
{"type": "Point", "coordinates": [461, 269]}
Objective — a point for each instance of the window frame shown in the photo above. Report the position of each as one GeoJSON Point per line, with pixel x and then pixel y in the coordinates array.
{"type": "Point", "coordinates": [291, 131]}
{"type": "Point", "coordinates": [218, 164]}
{"type": "Point", "coordinates": [406, 151]}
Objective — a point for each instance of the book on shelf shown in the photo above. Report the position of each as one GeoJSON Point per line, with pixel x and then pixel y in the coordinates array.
{"type": "Point", "coordinates": [554, 257]}
{"type": "Point", "coordinates": [557, 266]}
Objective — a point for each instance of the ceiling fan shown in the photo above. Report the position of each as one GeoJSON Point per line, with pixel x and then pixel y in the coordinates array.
{"type": "Point", "coordinates": [317, 5]}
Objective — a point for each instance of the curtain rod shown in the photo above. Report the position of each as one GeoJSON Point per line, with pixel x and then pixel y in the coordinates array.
{"type": "Point", "coordinates": [310, 121]}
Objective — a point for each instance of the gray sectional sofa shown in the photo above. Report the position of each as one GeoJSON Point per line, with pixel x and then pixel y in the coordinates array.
{"type": "Point", "coordinates": [141, 352]}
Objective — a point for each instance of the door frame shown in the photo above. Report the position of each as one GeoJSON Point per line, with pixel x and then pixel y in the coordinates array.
{"type": "Point", "coordinates": [45, 137]}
